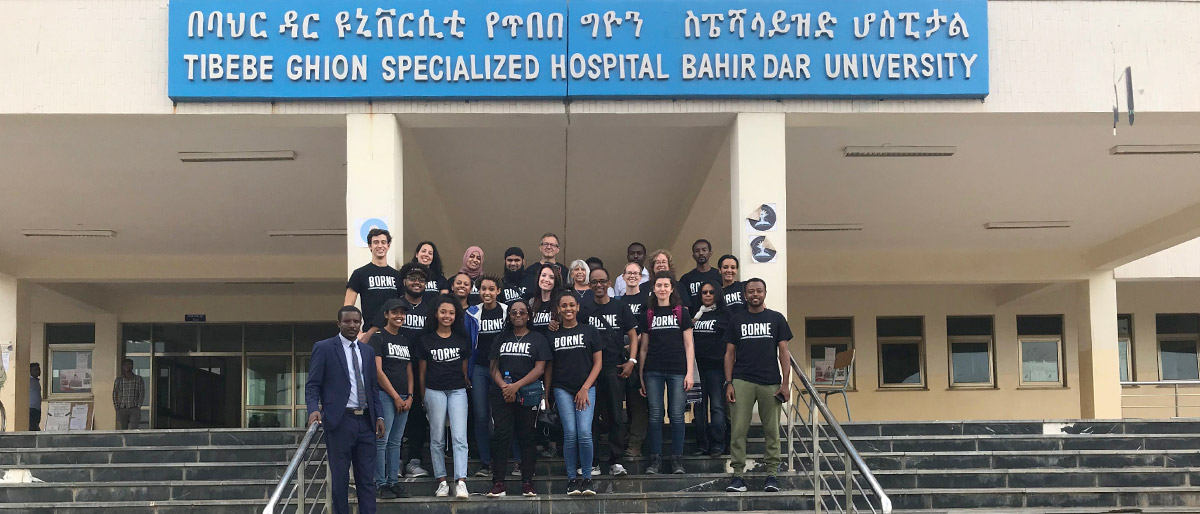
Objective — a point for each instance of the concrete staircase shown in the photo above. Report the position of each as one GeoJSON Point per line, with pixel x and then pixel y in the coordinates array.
{"type": "Point", "coordinates": [1077, 467]}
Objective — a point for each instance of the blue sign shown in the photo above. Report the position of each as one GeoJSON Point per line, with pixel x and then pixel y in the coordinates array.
{"type": "Point", "coordinates": [385, 49]}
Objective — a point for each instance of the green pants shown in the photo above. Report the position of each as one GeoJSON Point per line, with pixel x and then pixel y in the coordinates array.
{"type": "Point", "coordinates": [747, 394]}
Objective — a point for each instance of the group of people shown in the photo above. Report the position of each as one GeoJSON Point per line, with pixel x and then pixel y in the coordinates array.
{"type": "Point", "coordinates": [502, 356]}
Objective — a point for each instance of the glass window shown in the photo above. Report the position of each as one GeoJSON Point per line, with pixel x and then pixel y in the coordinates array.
{"type": "Point", "coordinates": [268, 380]}
{"type": "Point", "coordinates": [1125, 346]}
{"type": "Point", "coordinates": [1177, 323]}
{"type": "Point", "coordinates": [826, 337]}
{"type": "Point", "coordinates": [70, 371]}
{"type": "Point", "coordinates": [901, 349]}
{"type": "Point", "coordinates": [268, 418]}
{"type": "Point", "coordinates": [1123, 357]}
{"type": "Point", "coordinates": [1178, 359]}
{"type": "Point", "coordinates": [307, 334]}
{"type": "Point", "coordinates": [901, 363]}
{"type": "Point", "coordinates": [221, 338]}
{"type": "Point", "coordinates": [136, 337]}
{"type": "Point", "coordinates": [70, 333]}
{"type": "Point", "coordinates": [970, 362]}
{"type": "Point", "coordinates": [301, 376]}
{"type": "Point", "coordinates": [268, 338]}
{"type": "Point", "coordinates": [1042, 325]}
{"type": "Point", "coordinates": [175, 338]}
{"type": "Point", "coordinates": [1040, 363]}
{"type": "Point", "coordinates": [970, 339]}
{"type": "Point", "coordinates": [141, 368]}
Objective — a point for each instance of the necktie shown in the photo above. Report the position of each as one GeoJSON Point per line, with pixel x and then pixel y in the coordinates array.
{"type": "Point", "coordinates": [362, 393]}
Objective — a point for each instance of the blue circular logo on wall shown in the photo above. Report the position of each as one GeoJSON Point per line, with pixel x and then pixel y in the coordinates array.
{"type": "Point", "coordinates": [366, 227]}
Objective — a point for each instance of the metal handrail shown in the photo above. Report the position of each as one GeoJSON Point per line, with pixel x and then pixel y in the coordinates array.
{"type": "Point", "coordinates": [1162, 383]}
{"type": "Point", "coordinates": [1174, 384]}
{"type": "Point", "coordinates": [301, 458]}
{"type": "Point", "coordinates": [851, 455]}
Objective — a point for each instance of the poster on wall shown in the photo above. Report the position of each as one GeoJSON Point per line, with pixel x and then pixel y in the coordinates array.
{"type": "Point", "coordinates": [762, 218]}
{"type": "Point", "coordinates": [761, 250]}
{"type": "Point", "coordinates": [364, 228]}
{"type": "Point", "coordinates": [68, 416]}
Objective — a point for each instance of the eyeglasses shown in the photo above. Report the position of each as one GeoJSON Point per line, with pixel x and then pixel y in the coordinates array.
{"type": "Point", "coordinates": [549, 245]}
{"type": "Point", "coordinates": [599, 281]}
{"type": "Point", "coordinates": [708, 291]}
{"type": "Point", "coordinates": [632, 273]}
{"type": "Point", "coordinates": [519, 313]}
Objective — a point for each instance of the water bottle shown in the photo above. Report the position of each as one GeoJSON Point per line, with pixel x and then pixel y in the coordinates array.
{"type": "Point", "coordinates": [507, 378]}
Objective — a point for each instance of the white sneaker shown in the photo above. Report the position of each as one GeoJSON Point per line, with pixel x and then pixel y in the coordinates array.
{"type": "Point", "coordinates": [595, 470]}
{"type": "Point", "coordinates": [516, 471]}
{"type": "Point", "coordinates": [617, 470]}
{"type": "Point", "coordinates": [461, 492]}
{"type": "Point", "coordinates": [443, 489]}
{"type": "Point", "coordinates": [414, 469]}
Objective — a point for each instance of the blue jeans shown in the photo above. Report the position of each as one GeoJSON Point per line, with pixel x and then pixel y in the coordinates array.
{"type": "Point", "coordinates": [577, 431]}
{"type": "Point", "coordinates": [439, 405]}
{"type": "Point", "coordinates": [710, 419]}
{"type": "Point", "coordinates": [481, 381]}
{"type": "Point", "coordinates": [656, 382]}
{"type": "Point", "coordinates": [387, 450]}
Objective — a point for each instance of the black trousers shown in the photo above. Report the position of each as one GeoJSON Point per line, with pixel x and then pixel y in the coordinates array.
{"type": "Point", "coordinates": [610, 404]}
{"type": "Point", "coordinates": [509, 418]}
{"type": "Point", "coordinates": [35, 419]}
{"type": "Point", "coordinates": [416, 431]}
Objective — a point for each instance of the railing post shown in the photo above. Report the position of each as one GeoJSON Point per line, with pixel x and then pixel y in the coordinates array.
{"type": "Point", "coordinates": [328, 485]}
{"type": "Point", "coordinates": [300, 492]}
{"type": "Point", "coordinates": [1176, 388]}
{"type": "Point", "coordinates": [848, 468]}
{"type": "Point", "coordinates": [816, 459]}
{"type": "Point", "coordinates": [791, 410]}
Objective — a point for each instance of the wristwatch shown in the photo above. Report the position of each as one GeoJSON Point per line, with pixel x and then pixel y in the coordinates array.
{"type": "Point", "coordinates": [728, 383]}
{"type": "Point", "coordinates": [633, 360]}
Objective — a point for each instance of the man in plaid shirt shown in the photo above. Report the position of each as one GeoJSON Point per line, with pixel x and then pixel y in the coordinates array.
{"type": "Point", "coordinates": [128, 393]}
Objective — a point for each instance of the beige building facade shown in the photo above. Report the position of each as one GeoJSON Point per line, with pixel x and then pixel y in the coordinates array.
{"type": "Point", "coordinates": [1023, 271]}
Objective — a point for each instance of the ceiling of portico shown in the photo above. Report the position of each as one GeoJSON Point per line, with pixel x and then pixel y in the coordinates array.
{"type": "Point", "coordinates": [602, 183]}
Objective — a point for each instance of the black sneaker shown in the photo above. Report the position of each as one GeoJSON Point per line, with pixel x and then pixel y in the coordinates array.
{"type": "Point", "coordinates": [573, 488]}
{"type": "Point", "coordinates": [771, 485]}
{"type": "Point", "coordinates": [737, 485]}
{"type": "Point", "coordinates": [399, 491]}
{"type": "Point", "coordinates": [700, 452]}
{"type": "Point", "coordinates": [716, 453]}
{"type": "Point", "coordinates": [385, 493]}
{"type": "Point", "coordinates": [587, 487]}
{"type": "Point", "coordinates": [655, 463]}
{"type": "Point", "coordinates": [677, 465]}
{"type": "Point", "coordinates": [485, 471]}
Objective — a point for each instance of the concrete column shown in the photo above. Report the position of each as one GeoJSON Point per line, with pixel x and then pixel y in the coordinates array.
{"type": "Point", "coordinates": [14, 309]}
{"type": "Point", "coordinates": [374, 183]}
{"type": "Point", "coordinates": [106, 366]}
{"type": "Point", "coordinates": [1099, 374]}
{"type": "Point", "coordinates": [758, 175]}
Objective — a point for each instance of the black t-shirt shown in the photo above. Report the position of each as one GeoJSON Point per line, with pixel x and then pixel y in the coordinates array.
{"type": "Point", "coordinates": [735, 297]}
{"type": "Point", "coordinates": [691, 282]}
{"type": "Point", "coordinates": [512, 292]}
{"type": "Point", "coordinates": [586, 297]}
{"type": "Point", "coordinates": [491, 323]}
{"type": "Point", "coordinates": [708, 336]}
{"type": "Point", "coordinates": [619, 321]}
{"type": "Point", "coordinates": [518, 354]}
{"type": "Point", "coordinates": [665, 352]}
{"type": "Point", "coordinates": [636, 302]}
{"type": "Point", "coordinates": [436, 285]}
{"type": "Point", "coordinates": [573, 349]}
{"type": "Point", "coordinates": [473, 297]}
{"type": "Point", "coordinates": [540, 319]}
{"type": "Point", "coordinates": [396, 353]}
{"type": "Point", "coordinates": [374, 285]}
{"type": "Point", "coordinates": [531, 275]}
{"type": "Point", "coordinates": [757, 337]}
{"type": "Point", "coordinates": [444, 358]}
{"type": "Point", "coordinates": [414, 318]}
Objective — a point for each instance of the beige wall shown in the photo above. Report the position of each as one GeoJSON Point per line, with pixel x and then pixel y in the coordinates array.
{"type": "Point", "coordinates": [939, 402]}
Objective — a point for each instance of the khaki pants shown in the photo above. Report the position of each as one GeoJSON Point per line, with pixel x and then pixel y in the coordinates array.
{"type": "Point", "coordinates": [747, 393]}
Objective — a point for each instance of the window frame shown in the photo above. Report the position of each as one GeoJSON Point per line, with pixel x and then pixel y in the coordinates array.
{"type": "Point", "coordinates": [809, 343]}
{"type": "Point", "coordinates": [48, 393]}
{"type": "Point", "coordinates": [1192, 338]}
{"type": "Point", "coordinates": [991, 346]}
{"type": "Point", "coordinates": [1130, 366]}
{"type": "Point", "coordinates": [921, 367]}
{"type": "Point", "coordinates": [1052, 338]}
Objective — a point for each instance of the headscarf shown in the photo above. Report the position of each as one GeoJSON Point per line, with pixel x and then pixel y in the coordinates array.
{"type": "Point", "coordinates": [477, 271]}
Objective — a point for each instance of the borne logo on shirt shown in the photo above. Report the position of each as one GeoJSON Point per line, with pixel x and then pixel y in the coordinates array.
{"type": "Point", "coordinates": [734, 298]}
{"type": "Point", "coordinates": [635, 308]}
{"type": "Point", "coordinates": [708, 325]}
{"type": "Point", "coordinates": [695, 287]}
{"type": "Point", "coordinates": [610, 318]}
{"type": "Point", "coordinates": [569, 342]}
{"type": "Point", "coordinates": [513, 293]}
{"type": "Point", "coordinates": [667, 321]}
{"type": "Point", "coordinates": [398, 351]}
{"type": "Point", "coordinates": [489, 326]}
{"type": "Point", "coordinates": [432, 285]}
{"type": "Point", "coordinates": [515, 348]}
{"type": "Point", "coordinates": [541, 318]}
{"type": "Point", "coordinates": [416, 321]}
{"type": "Point", "coordinates": [756, 330]}
{"type": "Point", "coordinates": [445, 354]}
{"type": "Point", "coordinates": [381, 282]}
